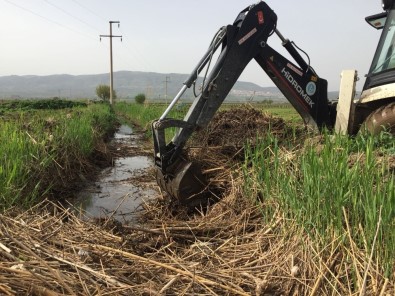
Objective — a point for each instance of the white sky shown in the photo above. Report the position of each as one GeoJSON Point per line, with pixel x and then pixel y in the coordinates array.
{"type": "Point", "coordinates": [43, 37]}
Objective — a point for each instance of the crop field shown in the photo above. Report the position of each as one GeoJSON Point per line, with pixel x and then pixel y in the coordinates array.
{"type": "Point", "coordinates": [296, 213]}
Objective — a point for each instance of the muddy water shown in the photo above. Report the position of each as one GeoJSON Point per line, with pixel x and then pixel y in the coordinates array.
{"type": "Point", "coordinates": [121, 189]}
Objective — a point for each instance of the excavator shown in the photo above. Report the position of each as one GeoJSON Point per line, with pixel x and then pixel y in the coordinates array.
{"type": "Point", "coordinates": [246, 39]}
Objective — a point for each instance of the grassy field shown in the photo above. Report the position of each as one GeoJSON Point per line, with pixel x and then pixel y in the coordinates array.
{"type": "Point", "coordinates": [285, 111]}
{"type": "Point", "coordinates": [42, 142]}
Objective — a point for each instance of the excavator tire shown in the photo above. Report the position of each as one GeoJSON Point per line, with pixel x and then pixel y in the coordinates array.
{"type": "Point", "coordinates": [382, 119]}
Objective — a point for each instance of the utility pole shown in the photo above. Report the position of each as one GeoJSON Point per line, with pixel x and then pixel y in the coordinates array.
{"type": "Point", "coordinates": [166, 82]}
{"type": "Point", "coordinates": [148, 93]}
{"type": "Point", "coordinates": [111, 62]}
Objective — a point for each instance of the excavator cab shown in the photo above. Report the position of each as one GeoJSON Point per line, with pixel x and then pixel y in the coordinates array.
{"type": "Point", "coordinates": [375, 109]}
{"type": "Point", "coordinates": [382, 70]}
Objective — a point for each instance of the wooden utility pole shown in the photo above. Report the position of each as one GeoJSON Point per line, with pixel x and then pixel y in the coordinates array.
{"type": "Point", "coordinates": [166, 82]}
{"type": "Point", "coordinates": [111, 62]}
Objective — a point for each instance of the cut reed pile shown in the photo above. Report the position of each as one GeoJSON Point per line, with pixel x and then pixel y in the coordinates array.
{"type": "Point", "coordinates": [229, 130]}
{"type": "Point", "coordinates": [220, 147]}
{"type": "Point", "coordinates": [47, 250]}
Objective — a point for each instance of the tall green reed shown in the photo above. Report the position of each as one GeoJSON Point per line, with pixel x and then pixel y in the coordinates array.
{"type": "Point", "coordinates": [317, 184]}
{"type": "Point", "coordinates": [38, 146]}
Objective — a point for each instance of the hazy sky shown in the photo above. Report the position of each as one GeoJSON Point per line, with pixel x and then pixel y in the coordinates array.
{"type": "Point", "coordinates": [43, 37]}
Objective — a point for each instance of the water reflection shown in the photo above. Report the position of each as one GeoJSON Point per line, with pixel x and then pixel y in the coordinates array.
{"type": "Point", "coordinates": [118, 191]}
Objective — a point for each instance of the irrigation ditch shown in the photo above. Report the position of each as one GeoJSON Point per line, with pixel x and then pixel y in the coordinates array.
{"type": "Point", "coordinates": [119, 191]}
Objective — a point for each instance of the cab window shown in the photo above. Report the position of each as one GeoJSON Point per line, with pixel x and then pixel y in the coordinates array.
{"type": "Point", "coordinates": [385, 56]}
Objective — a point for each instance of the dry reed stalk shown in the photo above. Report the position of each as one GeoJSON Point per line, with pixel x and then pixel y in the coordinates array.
{"type": "Point", "coordinates": [186, 273]}
{"type": "Point", "coordinates": [226, 250]}
{"type": "Point", "coordinates": [359, 278]}
{"type": "Point", "coordinates": [40, 291]}
{"type": "Point", "coordinates": [116, 209]}
{"type": "Point", "coordinates": [363, 288]}
{"type": "Point", "coordinates": [324, 269]}
{"type": "Point", "coordinates": [102, 275]}
{"type": "Point", "coordinates": [382, 293]}
{"type": "Point", "coordinates": [56, 273]}
{"type": "Point", "coordinates": [169, 283]}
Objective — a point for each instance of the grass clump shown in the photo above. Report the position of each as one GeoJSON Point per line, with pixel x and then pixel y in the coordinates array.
{"type": "Point", "coordinates": [39, 148]}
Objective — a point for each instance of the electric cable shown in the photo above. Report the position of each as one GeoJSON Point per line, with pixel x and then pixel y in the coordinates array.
{"type": "Point", "coordinates": [71, 15]}
{"type": "Point", "coordinates": [48, 19]}
{"type": "Point", "coordinates": [89, 10]}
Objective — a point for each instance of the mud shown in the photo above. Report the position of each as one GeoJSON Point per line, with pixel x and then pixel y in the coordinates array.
{"type": "Point", "coordinates": [119, 190]}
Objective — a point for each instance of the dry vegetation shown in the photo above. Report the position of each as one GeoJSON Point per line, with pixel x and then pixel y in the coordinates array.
{"type": "Point", "coordinates": [232, 247]}
{"type": "Point", "coordinates": [47, 250]}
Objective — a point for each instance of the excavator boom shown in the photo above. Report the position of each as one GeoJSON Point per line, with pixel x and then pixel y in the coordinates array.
{"type": "Point", "coordinates": [246, 39]}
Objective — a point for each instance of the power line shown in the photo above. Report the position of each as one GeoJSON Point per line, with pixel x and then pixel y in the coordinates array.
{"type": "Point", "coordinates": [142, 59]}
{"type": "Point", "coordinates": [131, 54]}
{"type": "Point", "coordinates": [48, 19]}
{"type": "Point", "coordinates": [73, 16]}
{"type": "Point", "coordinates": [88, 9]}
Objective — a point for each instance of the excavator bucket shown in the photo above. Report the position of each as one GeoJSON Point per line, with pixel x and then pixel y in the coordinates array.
{"type": "Point", "coordinates": [186, 185]}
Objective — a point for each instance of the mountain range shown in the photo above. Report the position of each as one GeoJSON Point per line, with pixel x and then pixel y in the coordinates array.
{"type": "Point", "coordinates": [127, 84]}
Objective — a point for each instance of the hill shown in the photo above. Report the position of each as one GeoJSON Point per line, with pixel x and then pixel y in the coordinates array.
{"type": "Point", "coordinates": [126, 83]}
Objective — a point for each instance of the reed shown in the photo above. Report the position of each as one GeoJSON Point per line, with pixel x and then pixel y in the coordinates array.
{"type": "Point", "coordinates": [38, 147]}
{"type": "Point", "coordinates": [332, 179]}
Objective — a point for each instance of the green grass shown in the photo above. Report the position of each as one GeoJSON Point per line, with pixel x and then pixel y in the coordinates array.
{"type": "Point", "coordinates": [145, 114]}
{"type": "Point", "coordinates": [39, 147]}
{"type": "Point", "coordinates": [327, 182]}
{"type": "Point", "coordinates": [47, 104]}
{"type": "Point", "coordinates": [285, 111]}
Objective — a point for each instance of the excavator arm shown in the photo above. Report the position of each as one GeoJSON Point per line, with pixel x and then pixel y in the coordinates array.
{"type": "Point", "coordinates": [244, 40]}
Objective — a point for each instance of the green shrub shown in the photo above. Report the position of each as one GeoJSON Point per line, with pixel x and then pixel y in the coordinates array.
{"type": "Point", "coordinates": [103, 92]}
{"type": "Point", "coordinates": [140, 98]}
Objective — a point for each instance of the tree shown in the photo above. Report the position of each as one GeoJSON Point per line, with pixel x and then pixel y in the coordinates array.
{"type": "Point", "coordinates": [140, 98]}
{"type": "Point", "coordinates": [103, 92]}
